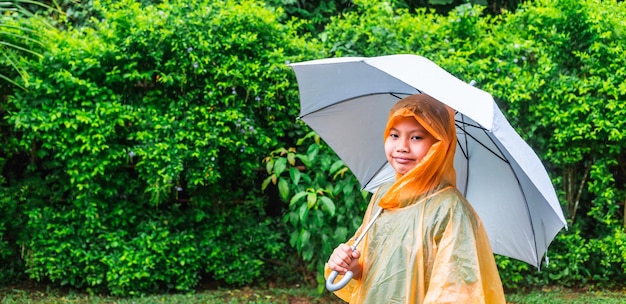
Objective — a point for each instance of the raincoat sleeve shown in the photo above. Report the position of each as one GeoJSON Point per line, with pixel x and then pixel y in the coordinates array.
{"type": "Point", "coordinates": [464, 270]}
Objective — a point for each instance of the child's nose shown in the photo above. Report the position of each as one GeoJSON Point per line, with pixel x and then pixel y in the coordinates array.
{"type": "Point", "coordinates": [403, 146]}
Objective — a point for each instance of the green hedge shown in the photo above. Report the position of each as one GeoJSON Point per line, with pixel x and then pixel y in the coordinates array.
{"type": "Point", "coordinates": [139, 144]}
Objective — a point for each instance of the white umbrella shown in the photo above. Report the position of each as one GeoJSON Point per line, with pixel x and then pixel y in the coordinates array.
{"type": "Point", "coordinates": [347, 101]}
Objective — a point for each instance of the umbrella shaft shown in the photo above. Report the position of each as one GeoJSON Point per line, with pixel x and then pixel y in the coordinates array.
{"type": "Point", "coordinates": [369, 225]}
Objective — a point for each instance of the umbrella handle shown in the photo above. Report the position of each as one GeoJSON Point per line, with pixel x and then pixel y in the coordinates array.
{"type": "Point", "coordinates": [330, 282]}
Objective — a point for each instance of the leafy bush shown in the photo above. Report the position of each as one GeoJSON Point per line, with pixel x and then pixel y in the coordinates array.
{"type": "Point", "coordinates": [574, 103]}
{"type": "Point", "coordinates": [325, 201]}
{"type": "Point", "coordinates": [142, 253]}
{"type": "Point", "coordinates": [20, 41]}
{"type": "Point", "coordinates": [137, 137]}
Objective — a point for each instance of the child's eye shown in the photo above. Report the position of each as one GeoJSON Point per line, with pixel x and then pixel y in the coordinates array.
{"type": "Point", "coordinates": [416, 137]}
{"type": "Point", "coordinates": [393, 135]}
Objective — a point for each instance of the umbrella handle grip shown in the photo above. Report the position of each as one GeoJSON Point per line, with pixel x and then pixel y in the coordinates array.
{"type": "Point", "coordinates": [330, 282]}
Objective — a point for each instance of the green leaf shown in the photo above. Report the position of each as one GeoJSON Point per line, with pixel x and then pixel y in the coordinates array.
{"type": "Point", "coordinates": [341, 233]}
{"type": "Point", "coordinates": [295, 175]}
{"type": "Point", "coordinates": [266, 182]}
{"type": "Point", "coordinates": [269, 165]}
{"type": "Point", "coordinates": [312, 151]}
{"type": "Point", "coordinates": [293, 238]}
{"type": "Point", "coordinates": [305, 236]}
{"type": "Point", "coordinates": [304, 159]}
{"type": "Point", "coordinates": [279, 166]}
{"type": "Point", "coordinates": [291, 158]}
{"type": "Point", "coordinates": [283, 189]}
{"type": "Point", "coordinates": [311, 199]}
{"type": "Point", "coordinates": [336, 166]}
{"type": "Point", "coordinates": [328, 205]}
{"type": "Point", "coordinates": [297, 197]}
{"type": "Point", "coordinates": [302, 213]}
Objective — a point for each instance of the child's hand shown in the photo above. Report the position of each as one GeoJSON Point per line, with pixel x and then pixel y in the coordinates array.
{"type": "Point", "coordinates": [345, 259]}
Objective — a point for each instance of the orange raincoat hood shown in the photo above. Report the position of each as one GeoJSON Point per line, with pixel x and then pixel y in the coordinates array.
{"type": "Point", "coordinates": [437, 166]}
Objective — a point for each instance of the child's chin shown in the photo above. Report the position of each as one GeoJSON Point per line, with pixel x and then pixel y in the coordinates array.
{"type": "Point", "coordinates": [403, 169]}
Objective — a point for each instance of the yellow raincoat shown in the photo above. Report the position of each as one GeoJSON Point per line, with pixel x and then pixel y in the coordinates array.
{"type": "Point", "coordinates": [428, 245]}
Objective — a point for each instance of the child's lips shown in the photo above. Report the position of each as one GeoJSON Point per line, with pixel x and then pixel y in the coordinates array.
{"type": "Point", "coordinates": [402, 160]}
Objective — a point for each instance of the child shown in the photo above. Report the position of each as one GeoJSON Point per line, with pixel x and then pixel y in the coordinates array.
{"type": "Point", "coordinates": [428, 245]}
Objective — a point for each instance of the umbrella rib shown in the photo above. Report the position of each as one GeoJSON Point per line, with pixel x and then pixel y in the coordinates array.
{"type": "Point", "coordinates": [465, 150]}
{"type": "Point", "coordinates": [532, 226]}
{"type": "Point", "coordinates": [530, 219]}
{"type": "Point", "coordinates": [469, 124]}
{"type": "Point", "coordinates": [480, 143]}
{"type": "Point", "coordinates": [394, 94]}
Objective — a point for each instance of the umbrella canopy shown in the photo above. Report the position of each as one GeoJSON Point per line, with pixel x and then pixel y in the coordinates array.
{"type": "Point", "coordinates": [347, 101]}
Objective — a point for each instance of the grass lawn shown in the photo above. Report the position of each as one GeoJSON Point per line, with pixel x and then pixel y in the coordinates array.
{"type": "Point", "coordinates": [291, 295]}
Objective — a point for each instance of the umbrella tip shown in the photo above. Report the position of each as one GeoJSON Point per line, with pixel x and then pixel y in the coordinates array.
{"type": "Point", "coordinates": [473, 83]}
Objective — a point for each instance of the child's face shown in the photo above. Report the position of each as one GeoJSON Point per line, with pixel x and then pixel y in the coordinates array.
{"type": "Point", "coordinates": [407, 143]}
